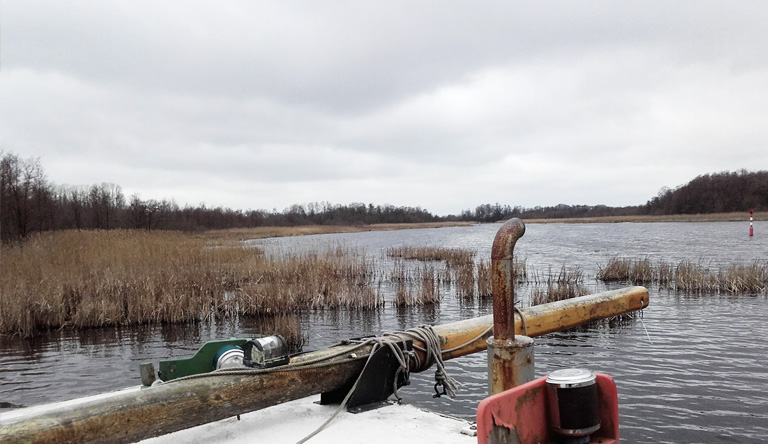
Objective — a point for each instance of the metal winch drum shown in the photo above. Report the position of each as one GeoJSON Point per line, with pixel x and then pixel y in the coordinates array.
{"type": "Point", "coordinates": [228, 356]}
{"type": "Point", "coordinates": [573, 402]}
{"type": "Point", "coordinates": [266, 352]}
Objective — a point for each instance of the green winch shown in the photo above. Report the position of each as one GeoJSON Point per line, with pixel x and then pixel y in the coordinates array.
{"type": "Point", "coordinates": [262, 352]}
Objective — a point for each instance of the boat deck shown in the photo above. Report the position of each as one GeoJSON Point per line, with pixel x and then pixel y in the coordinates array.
{"type": "Point", "coordinates": [292, 421]}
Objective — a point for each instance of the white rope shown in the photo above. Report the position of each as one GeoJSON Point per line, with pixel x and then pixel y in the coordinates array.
{"type": "Point", "coordinates": [396, 343]}
{"type": "Point", "coordinates": [377, 344]}
{"type": "Point", "coordinates": [433, 354]}
{"type": "Point", "coordinates": [341, 406]}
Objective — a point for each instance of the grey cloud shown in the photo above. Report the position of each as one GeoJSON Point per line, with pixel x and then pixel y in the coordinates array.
{"type": "Point", "coordinates": [443, 104]}
{"type": "Point", "coordinates": [350, 57]}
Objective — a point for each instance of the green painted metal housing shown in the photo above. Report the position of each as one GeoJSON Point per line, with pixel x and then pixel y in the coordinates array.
{"type": "Point", "coordinates": [201, 362]}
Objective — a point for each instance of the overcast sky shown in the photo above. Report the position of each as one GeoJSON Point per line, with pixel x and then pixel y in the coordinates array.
{"type": "Point", "coordinates": [440, 104]}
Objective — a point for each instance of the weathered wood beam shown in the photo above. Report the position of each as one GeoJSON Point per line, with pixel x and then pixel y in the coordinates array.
{"type": "Point", "coordinates": [140, 414]}
{"type": "Point", "coordinates": [544, 318]}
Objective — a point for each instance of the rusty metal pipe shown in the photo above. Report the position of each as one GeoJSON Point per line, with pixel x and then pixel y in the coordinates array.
{"type": "Point", "coordinates": [502, 267]}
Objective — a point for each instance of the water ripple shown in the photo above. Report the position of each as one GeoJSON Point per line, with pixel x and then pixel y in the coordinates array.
{"type": "Point", "coordinates": [702, 378]}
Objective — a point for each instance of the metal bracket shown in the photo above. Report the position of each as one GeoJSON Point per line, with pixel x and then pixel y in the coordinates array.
{"type": "Point", "coordinates": [201, 362]}
{"type": "Point", "coordinates": [376, 382]}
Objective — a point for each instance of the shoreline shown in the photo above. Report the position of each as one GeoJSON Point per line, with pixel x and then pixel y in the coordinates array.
{"type": "Point", "coordinates": [241, 234]}
{"type": "Point", "coordinates": [236, 235]}
{"type": "Point", "coordinates": [711, 217]}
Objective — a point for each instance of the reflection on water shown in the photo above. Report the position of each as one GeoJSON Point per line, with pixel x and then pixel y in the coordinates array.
{"type": "Point", "coordinates": [700, 378]}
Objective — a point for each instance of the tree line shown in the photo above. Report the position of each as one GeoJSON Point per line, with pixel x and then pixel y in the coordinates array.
{"type": "Point", "coordinates": [723, 192]}
{"type": "Point", "coordinates": [493, 213]}
{"type": "Point", "coordinates": [29, 203]}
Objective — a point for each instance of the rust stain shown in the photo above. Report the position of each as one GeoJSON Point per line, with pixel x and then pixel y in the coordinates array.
{"type": "Point", "coordinates": [528, 397]}
{"type": "Point", "coordinates": [503, 278]}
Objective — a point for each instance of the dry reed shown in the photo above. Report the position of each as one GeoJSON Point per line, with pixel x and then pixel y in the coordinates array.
{"type": "Point", "coordinates": [633, 270]}
{"type": "Point", "coordinates": [452, 256]}
{"type": "Point", "coordinates": [484, 280]}
{"type": "Point", "coordinates": [234, 236]}
{"type": "Point", "coordinates": [401, 278]}
{"type": "Point", "coordinates": [485, 276]}
{"type": "Point", "coordinates": [689, 276]}
{"type": "Point", "coordinates": [418, 286]}
{"type": "Point", "coordinates": [464, 276]}
{"type": "Point", "coordinates": [567, 284]}
{"type": "Point", "coordinates": [430, 289]}
{"type": "Point", "coordinates": [286, 325]}
{"type": "Point", "coordinates": [101, 278]}
{"type": "Point", "coordinates": [459, 270]}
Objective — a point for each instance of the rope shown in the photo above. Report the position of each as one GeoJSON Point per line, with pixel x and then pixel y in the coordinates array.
{"type": "Point", "coordinates": [482, 335]}
{"type": "Point", "coordinates": [522, 318]}
{"type": "Point", "coordinates": [234, 371]}
{"type": "Point", "coordinates": [391, 340]}
{"type": "Point", "coordinates": [341, 407]}
{"type": "Point", "coordinates": [433, 355]}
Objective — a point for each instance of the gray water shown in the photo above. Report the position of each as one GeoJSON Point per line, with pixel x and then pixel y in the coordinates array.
{"type": "Point", "coordinates": [692, 369]}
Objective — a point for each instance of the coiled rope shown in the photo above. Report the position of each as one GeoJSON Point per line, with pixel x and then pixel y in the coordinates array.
{"type": "Point", "coordinates": [396, 341]}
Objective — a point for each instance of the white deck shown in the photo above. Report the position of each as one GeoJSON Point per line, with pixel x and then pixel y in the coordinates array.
{"type": "Point", "coordinates": [292, 421]}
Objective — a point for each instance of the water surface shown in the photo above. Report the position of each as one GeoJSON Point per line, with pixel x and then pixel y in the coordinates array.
{"type": "Point", "coordinates": [691, 370]}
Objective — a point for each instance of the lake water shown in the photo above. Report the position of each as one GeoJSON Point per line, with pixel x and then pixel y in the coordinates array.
{"type": "Point", "coordinates": [692, 369]}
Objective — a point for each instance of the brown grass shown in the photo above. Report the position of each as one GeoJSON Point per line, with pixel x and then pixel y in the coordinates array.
{"type": "Point", "coordinates": [459, 268]}
{"type": "Point", "coordinates": [623, 270]}
{"type": "Point", "coordinates": [464, 276]}
{"type": "Point", "coordinates": [688, 276]}
{"type": "Point", "coordinates": [429, 292]}
{"type": "Point", "coordinates": [100, 278]}
{"type": "Point", "coordinates": [418, 286]}
{"type": "Point", "coordinates": [567, 284]}
{"type": "Point", "coordinates": [453, 257]}
{"type": "Point", "coordinates": [286, 325]}
{"type": "Point", "coordinates": [236, 235]}
{"type": "Point", "coordinates": [485, 278]}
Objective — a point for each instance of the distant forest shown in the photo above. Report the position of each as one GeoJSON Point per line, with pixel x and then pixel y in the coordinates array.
{"type": "Point", "coordinates": [30, 204]}
{"type": "Point", "coordinates": [724, 192]}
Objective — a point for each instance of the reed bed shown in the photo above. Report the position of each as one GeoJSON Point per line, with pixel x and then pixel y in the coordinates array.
{"type": "Point", "coordinates": [429, 292]}
{"type": "Point", "coordinates": [634, 270]}
{"type": "Point", "coordinates": [484, 279]}
{"type": "Point", "coordinates": [453, 257]}
{"type": "Point", "coordinates": [459, 270]}
{"type": "Point", "coordinates": [234, 236]}
{"type": "Point", "coordinates": [485, 276]}
{"type": "Point", "coordinates": [286, 325]}
{"type": "Point", "coordinates": [464, 276]}
{"type": "Point", "coordinates": [418, 286]}
{"type": "Point", "coordinates": [689, 276]}
{"type": "Point", "coordinates": [100, 278]}
{"type": "Point", "coordinates": [566, 284]}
